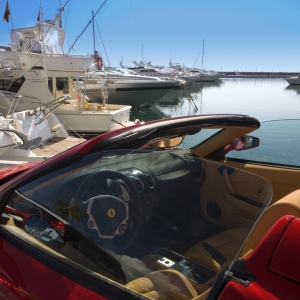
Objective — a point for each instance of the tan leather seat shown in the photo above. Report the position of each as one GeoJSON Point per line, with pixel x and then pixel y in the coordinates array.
{"type": "Point", "coordinates": [231, 240]}
{"type": "Point", "coordinates": [163, 284]}
{"type": "Point", "coordinates": [227, 242]}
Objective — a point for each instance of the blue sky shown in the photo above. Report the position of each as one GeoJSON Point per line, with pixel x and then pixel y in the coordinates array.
{"type": "Point", "coordinates": [244, 35]}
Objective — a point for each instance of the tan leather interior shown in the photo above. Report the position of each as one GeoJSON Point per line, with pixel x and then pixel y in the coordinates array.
{"type": "Point", "coordinates": [164, 284]}
{"type": "Point", "coordinates": [284, 180]}
{"type": "Point", "coordinates": [228, 240]}
{"type": "Point", "coordinates": [288, 205]}
{"type": "Point", "coordinates": [219, 187]}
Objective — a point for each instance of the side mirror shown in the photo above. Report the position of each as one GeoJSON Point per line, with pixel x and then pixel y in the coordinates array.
{"type": "Point", "coordinates": [43, 231]}
{"type": "Point", "coordinates": [242, 143]}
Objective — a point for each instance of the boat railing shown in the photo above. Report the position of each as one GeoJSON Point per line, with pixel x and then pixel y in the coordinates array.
{"type": "Point", "coordinates": [27, 142]}
{"type": "Point", "coordinates": [10, 64]}
{"type": "Point", "coordinates": [103, 89]}
{"type": "Point", "coordinates": [52, 105]}
{"type": "Point", "coordinates": [11, 104]}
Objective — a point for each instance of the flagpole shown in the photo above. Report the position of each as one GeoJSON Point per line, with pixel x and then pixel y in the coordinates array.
{"type": "Point", "coordinates": [12, 23]}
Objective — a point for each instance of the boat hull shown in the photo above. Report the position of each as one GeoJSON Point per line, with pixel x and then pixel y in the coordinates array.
{"type": "Point", "coordinates": [133, 93]}
{"type": "Point", "coordinates": [293, 80]}
{"type": "Point", "coordinates": [95, 119]}
{"type": "Point", "coordinates": [202, 78]}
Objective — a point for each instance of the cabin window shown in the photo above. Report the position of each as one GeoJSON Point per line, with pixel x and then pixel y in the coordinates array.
{"type": "Point", "coordinates": [50, 84]}
{"type": "Point", "coordinates": [11, 86]}
{"type": "Point", "coordinates": [62, 84]}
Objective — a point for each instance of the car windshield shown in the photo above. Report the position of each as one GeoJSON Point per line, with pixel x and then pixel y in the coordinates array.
{"type": "Point", "coordinates": [191, 141]}
{"type": "Point", "coordinates": [132, 214]}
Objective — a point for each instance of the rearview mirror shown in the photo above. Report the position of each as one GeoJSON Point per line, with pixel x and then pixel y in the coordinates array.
{"type": "Point", "coordinates": [242, 143]}
{"type": "Point", "coordinates": [167, 142]}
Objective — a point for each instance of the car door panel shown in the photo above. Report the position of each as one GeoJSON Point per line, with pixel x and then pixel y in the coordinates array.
{"type": "Point", "coordinates": [231, 198]}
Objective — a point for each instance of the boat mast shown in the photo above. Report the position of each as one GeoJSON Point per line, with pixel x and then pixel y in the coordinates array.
{"type": "Point", "coordinates": [94, 32]}
{"type": "Point", "coordinates": [60, 10]}
{"type": "Point", "coordinates": [196, 59]}
{"type": "Point", "coordinates": [203, 54]}
{"type": "Point", "coordinates": [85, 28]}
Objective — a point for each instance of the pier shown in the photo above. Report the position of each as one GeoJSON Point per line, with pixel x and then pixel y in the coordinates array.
{"type": "Point", "coordinates": [236, 74]}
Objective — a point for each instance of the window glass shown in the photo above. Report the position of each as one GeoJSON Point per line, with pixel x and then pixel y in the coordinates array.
{"type": "Point", "coordinates": [11, 85]}
{"type": "Point", "coordinates": [191, 141]}
{"type": "Point", "coordinates": [62, 84]}
{"type": "Point", "coordinates": [279, 144]}
{"type": "Point", "coordinates": [126, 214]}
{"type": "Point", "coordinates": [50, 84]}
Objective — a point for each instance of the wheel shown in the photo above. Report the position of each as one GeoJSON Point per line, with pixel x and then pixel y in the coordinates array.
{"type": "Point", "coordinates": [112, 218]}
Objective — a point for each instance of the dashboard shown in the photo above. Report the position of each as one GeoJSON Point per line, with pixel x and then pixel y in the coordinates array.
{"type": "Point", "coordinates": [157, 176]}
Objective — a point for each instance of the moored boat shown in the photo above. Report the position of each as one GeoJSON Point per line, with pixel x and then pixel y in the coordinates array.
{"type": "Point", "coordinates": [293, 80]}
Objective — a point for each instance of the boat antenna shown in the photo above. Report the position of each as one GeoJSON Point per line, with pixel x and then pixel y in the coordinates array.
{"type": "Point", "coordinates": [60, 10]}
{"type": "Point", "coordinates": [86, 27]}
{"type": "Point", "coordinates": [203, 54]}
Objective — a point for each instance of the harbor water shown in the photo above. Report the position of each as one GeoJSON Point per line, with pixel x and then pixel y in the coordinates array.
{"type": "Point", "coordinates": [263, 98]}
{"type": "Point", "coordinates": [267, 99]}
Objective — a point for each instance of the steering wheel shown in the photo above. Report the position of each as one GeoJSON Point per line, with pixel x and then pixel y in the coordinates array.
{"type": "Point", "coordinates": [114, 217]}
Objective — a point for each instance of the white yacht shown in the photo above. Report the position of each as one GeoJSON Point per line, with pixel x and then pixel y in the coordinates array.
{"type": "Point", "coordinates": [52, 77]}
{"type": "Point", "coordinates": [22, 131]}
{"type": "Point", "coordinates": [193, 75]}
{"type": "Point", "coordinates": [293, 80]}
{"type": "Point", "coordinates": [48, 38]}
{"type": "Point", "coordinates": [127, 87]}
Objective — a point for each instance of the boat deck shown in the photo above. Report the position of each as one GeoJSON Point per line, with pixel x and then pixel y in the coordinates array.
{"type": "Point", "coordinates": [50, 148]}
{"type": "Point", "coordinates": [56, 146]}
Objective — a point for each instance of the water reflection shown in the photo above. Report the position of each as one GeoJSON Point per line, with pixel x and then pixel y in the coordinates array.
{"type": "Point", "coordinates": [147, 114]}
{"type": "Point", "coordinates": [264, 99]}
{"type": "Point", "coordinates": [295, 88]}
{"type": "Point", "coordinates": [191, 100]}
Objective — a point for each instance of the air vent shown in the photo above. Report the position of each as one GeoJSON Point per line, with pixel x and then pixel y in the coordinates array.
{"type": "Point", "coordinates": [149, 180]}
{"type": "Point", "coordinates": [197, 166]}
{"type": "Point", "coordinates": [138, 183]}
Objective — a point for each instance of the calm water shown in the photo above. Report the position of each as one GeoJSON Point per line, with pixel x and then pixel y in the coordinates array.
{"type": "Point", "coordinates": [265, 99]}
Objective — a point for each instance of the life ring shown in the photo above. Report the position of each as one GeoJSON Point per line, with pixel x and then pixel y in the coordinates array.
{"type": "Point", "coordinates": [99, 62]}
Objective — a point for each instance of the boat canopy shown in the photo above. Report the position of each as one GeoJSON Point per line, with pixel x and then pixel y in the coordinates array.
{"type": "Point", "coordinates": [44, 38]}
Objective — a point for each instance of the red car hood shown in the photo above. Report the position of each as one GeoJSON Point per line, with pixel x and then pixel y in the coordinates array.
{"type": "Point", "coordinates": [16, 169]}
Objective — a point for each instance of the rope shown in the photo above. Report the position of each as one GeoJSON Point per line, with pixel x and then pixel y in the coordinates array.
{"type": "Point", "coordinates": [102, 43]}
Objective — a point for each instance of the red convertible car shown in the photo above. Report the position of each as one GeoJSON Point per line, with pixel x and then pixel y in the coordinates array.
{"type": "Point", "coordinates": [160, 210]}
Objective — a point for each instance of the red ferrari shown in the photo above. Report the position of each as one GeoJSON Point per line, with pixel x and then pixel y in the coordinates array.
{"type": "Point", "coordinates": [161, 210]}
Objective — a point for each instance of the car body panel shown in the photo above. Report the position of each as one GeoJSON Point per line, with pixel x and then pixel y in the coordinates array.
{"type": "Point", "coordinates": [274, 268]}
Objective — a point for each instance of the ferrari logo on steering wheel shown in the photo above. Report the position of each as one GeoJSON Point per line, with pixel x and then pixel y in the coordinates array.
{"type": "Point", "coordinates": [111, 213]}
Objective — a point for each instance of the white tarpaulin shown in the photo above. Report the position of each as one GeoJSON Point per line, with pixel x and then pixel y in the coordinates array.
{"type": "Point", "coordinates": [51, 37]}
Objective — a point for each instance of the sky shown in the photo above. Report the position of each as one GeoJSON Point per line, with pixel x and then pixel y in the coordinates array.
{"type": "Point", "coordinates": [242, 35]}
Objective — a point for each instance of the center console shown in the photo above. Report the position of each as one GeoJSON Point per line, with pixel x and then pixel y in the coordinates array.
{"type": "Point", "coordinates": [199, 276]}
